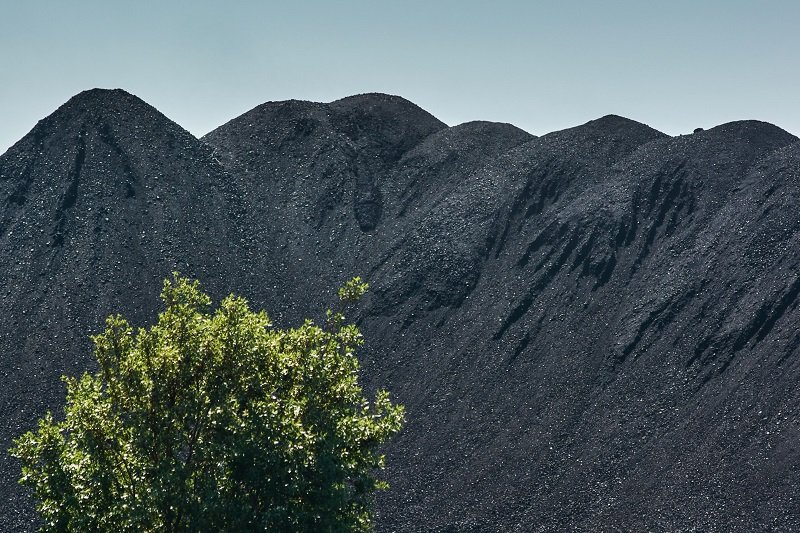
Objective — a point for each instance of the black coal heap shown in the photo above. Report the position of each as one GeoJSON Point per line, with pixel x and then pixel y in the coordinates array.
{"type": "Point", "coordinates": [592, 330]}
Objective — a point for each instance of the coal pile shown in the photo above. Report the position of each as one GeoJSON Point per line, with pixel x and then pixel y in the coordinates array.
{"type": "Point", "coordinates": [592, 330]}
{"type": "Point", "coordinates": [97, 203]}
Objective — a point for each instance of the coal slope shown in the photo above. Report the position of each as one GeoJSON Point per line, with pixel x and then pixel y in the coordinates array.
{"type": "Point", "coordinates": [331, 185]}
{"type": "Point", "coordinates": [98, 204]}
{"type": "Point", "coordinates": [591, 330]}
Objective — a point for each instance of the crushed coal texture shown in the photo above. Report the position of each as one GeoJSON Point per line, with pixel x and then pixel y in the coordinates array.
{"type": "Point", "coordinates": [592, 330]}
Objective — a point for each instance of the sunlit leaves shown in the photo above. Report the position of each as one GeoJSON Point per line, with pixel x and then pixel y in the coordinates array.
{"type": "Point", "coordinates": [213, 420]}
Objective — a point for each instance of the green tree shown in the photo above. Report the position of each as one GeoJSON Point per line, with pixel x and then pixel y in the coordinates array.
{"type": "Point", "coordinates": [213, 420]}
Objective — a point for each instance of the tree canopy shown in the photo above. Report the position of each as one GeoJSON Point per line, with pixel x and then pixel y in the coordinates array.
{"type": "Point", "coordinates": [213, 419]}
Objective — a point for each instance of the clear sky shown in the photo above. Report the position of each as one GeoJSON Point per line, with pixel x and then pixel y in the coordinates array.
{"type": "Point", "coordinates": [541, 65]}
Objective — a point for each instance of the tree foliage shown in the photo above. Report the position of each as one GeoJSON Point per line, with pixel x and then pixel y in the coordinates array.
{"type": "Point", "coordinates": [213, 420]}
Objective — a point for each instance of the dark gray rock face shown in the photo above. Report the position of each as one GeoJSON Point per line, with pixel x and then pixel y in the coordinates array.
{"type": "Point", "coordinates": [593, 330]}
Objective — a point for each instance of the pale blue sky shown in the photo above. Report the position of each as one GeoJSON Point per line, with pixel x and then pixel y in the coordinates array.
{"type": "Point", "coordinates": [541, 65]}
